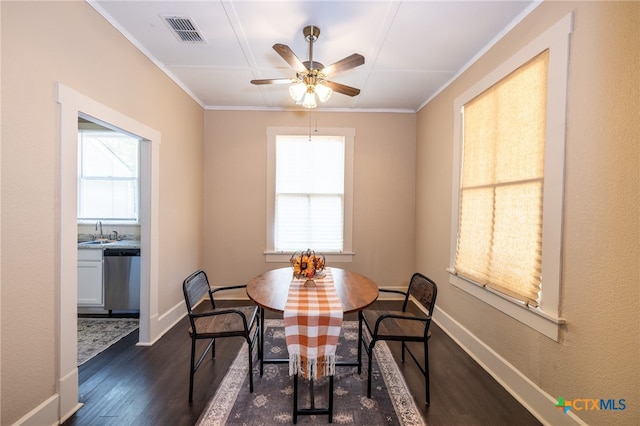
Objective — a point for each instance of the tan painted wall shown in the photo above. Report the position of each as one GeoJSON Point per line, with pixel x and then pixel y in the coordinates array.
{"type": "Point", "coordinates": [235, 203]}
{"type": "Point", "coordinates": [68, 42]}
{"type": "Point", "coordinates": [598, 353]}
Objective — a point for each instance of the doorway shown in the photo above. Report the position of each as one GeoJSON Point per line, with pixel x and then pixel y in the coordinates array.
{"type": "Point", "coordinates": [108, 220]}
{"type": "Point", "coordinates": [108, 236]}
{"type": "Point", "coordinates": [74, 105]}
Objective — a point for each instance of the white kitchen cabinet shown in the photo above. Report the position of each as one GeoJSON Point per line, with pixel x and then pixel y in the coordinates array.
{"type": "Point", "coordinates": [90, 288]}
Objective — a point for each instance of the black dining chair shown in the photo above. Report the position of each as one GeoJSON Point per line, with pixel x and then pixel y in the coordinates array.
{"type": "Point", "coordinates": [215, 323]}
{"type": "Point", "coordinates": [402, 325]}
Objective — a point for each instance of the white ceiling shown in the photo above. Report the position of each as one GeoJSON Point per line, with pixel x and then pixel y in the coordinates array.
{"type": "Point", "coordinates": [412, 49]}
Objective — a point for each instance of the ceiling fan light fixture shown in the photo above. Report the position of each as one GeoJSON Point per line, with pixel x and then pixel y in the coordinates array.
{"type": "Point", "coordinates": [297, 91]}
{"type": "Point", "coordinates": [309, 100]}
{"type": "Point", "coordinates": [323, 92]}
{"type": "Point", "coordinates": [310, 84]}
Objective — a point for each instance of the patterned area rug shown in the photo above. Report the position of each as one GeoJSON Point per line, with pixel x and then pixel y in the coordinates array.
{"type": "Point", "coordinates": [272, 399]}
{"type": "Point", "coordinates": [97, 334]}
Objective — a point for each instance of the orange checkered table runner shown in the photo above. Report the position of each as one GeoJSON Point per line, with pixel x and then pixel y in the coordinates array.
{"type": "Point", "coordinates": [312, 321]}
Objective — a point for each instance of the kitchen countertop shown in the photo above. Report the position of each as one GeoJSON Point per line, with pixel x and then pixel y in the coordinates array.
{"type": "Point", "coordinates": [109, 244]}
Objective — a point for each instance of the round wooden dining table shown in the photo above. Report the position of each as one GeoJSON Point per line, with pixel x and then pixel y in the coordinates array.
{"type": "Point", "coordinates": [270, 290]}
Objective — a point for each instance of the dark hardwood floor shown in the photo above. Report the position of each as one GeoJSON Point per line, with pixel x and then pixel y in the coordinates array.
{"type": "Point", "coordinates": [132, 385]}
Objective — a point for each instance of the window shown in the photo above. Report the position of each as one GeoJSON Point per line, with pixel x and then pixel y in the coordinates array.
{"type": "Point", "coordinates": [309, 193]}
{"type": "Point", "coordinates": [108, 174]}
{"type": "Point", "coordinates": [508, 183]}
{"type": "Point", "coordinates": [309, 186]}
{"type": "Point", "coordinates": [500, 220]}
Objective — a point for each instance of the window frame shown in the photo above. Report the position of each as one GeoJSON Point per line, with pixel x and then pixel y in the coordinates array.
{"type": "Point", "coordinates": [546, 317]}
{"type": "Point", "coordinates": [271, 255]}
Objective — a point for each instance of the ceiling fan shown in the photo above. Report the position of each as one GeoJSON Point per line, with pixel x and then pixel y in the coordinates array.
{"type": "Point", "coordinates": [311, 79]}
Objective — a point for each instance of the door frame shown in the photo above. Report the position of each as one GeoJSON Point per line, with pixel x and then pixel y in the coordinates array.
{"type": "Point", "coordinates": [72, 105]}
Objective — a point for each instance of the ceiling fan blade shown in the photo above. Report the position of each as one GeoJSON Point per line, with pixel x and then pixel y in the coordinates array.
{"type": "Point", "coordinates": [274, 81]}
{"type": "Point", "coordinates": [345, 64]}
{"type": "Point", "coordinates": [341, 88]}
{"type": "Point", "coordinates": [287, 54]}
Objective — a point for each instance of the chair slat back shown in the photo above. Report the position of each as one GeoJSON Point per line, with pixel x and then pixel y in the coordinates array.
{"type": "Point", "coordinates": [195, 287]}
{"type": "Point", "coordinates": [424, 290]}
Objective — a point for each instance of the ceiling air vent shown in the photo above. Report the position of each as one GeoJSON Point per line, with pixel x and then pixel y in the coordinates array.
{"type": "Point", "coordinates": [185, 29]}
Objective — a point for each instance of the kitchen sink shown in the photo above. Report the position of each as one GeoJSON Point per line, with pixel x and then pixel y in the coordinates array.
{"type": "Point", "coordinates": [90, 243]}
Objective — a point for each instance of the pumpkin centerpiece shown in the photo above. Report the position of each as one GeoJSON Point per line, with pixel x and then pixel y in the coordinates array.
{"type": "Point", "coordinates": [307, 264]}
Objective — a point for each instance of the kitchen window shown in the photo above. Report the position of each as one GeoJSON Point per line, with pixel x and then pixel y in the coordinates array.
{"type": "Point", "coordinates": [309, 192]}
{"type": "Point", "coordinates": [508, 182]}
{"type": "Point", "coordinates": [108, 177]}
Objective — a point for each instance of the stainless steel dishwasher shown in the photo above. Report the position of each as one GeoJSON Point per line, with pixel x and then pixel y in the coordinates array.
{"type": "Point", "coordinates": [121, 279]}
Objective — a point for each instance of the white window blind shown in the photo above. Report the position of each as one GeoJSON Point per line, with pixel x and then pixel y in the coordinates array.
{"type": "Point", "coordinates": [108, 169]}
{"type": "Point", "coordinates": [500, 223]}
{"type": "Point", "coordinates": [309, 193]}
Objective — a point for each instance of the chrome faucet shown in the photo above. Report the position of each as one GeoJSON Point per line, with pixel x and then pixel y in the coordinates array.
{"type": "Point", "coordinates": [99, 225]}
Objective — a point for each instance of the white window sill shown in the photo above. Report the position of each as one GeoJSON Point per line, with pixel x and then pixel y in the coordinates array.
{"type": "Point", "coordinates": [132, 222]}
{"type": "Point", "coordinates": [536, 318]}
{"type": "Point", "coordinates": [283, 257]}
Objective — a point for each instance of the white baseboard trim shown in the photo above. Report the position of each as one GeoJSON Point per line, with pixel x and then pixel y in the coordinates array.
{"type": "Point", "coordinates": [533, 398]}
{"type": "Point", "coordinates": [159, 325]}
{"type": "Point", "coordinates": [68, 395]}
{"type": "Point", "coordinates": [44, 414]}
{"type": "Point", "coordinates": [55, 411]}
